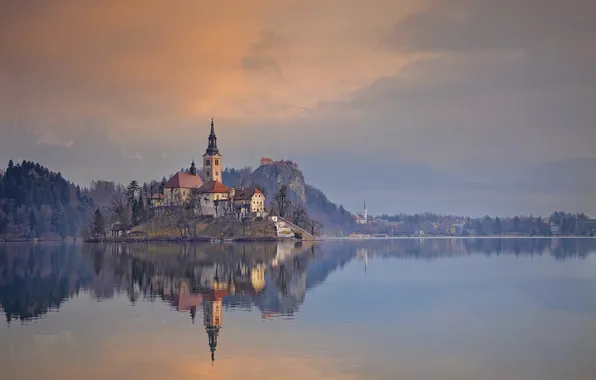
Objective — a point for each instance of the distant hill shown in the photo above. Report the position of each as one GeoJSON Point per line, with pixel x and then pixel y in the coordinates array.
{"type": "Point", "coordinates": [36, 202]}
{"type": "Point", "coordinates": [272, 177]}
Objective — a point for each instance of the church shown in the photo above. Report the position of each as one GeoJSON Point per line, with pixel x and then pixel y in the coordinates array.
{"type": "Point", "coordinates": [211, 196]}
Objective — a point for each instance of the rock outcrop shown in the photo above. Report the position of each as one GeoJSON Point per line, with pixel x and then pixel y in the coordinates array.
{"type": "Point", "coordinates": [271, 176]}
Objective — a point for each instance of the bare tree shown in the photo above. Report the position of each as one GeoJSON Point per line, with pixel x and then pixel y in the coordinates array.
{"type": "Point", "coordinates": [282, 203]}
{"type": "Point", "coordinates": [300, 217]}
{"type": "Point", "coordinates": [227, 206]}
{"type": "Point", "coordinates": [194, 202]}
{"type": "Point", "coordinates": [315, 227]}
{"type": "Point", "coordinates": [245, 224]}
{"type": "Point", "coordinates": [121, 211]}
{"type": "Point", "coordinates": [182, 221]}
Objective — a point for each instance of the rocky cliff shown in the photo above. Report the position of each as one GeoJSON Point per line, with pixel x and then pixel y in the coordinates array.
{"type": "Point", "coordinates": [272, 177]}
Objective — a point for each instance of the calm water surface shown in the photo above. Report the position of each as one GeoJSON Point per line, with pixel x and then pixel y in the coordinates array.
{"type": "Point", "coordinates": [383, 309]}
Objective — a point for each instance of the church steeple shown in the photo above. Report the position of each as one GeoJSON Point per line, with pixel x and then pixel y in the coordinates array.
{"type": "Point", "coordinates": [212, 159]}
{"type": "Point", "coordinates": [193, 168]}
{"type": "Point", "coordinates": [212, 147]}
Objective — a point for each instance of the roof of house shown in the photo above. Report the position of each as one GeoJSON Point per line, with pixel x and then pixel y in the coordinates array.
{"type": "Point", "coordinates": [247, 193]}
{"type": "Point", "coordinates": [117, 226]}
{"type": "Point", "coordinates": [157, 196]}
{"type": "Point", "coordinates": [184, 180]}
{"type": "Point", "coordinates": [214, 187]}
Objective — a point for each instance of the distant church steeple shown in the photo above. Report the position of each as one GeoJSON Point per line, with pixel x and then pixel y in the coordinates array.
{"type": "Point", "coordinates": [193, 168]}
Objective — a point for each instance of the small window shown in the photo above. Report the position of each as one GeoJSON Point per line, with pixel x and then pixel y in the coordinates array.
{"type": "Point", "coordinates": [207, 162]}
{"type": "Point", "coordinates": [207, 173]}
{"type": "Point", "coordinates": [216, 162]}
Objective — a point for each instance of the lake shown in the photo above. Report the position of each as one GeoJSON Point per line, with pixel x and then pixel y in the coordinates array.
{"type": "Point", "coordinates": [371, 309]}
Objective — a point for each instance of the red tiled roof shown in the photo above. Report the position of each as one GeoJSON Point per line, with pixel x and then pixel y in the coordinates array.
{"type": "Point", "coordinates": [187, 301]}
{"type": "Point", "coordinates": [214, 187]}
{"type": "Point", "coordinates": [247, 193]}
{"type": "Point", "coordinates": [184, 180]}
{"type": "Point", "coordinates": [212, 295]}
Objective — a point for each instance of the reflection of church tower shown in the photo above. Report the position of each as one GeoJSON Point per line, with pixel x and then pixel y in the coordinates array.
{"type": "Point", "coordinates": [212, 311]}
{"type": "Point", "coordinates": [212, 322]}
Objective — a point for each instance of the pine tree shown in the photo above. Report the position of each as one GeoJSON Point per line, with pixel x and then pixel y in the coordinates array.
{"type": "Point", "coordinates": [98, 228]}
{"type": "Point", "coordinates": [32, 223]}
{"type": "Point", "coordinates": [57, 223]}
{"type": "Point", "coordinates": [141, 209]}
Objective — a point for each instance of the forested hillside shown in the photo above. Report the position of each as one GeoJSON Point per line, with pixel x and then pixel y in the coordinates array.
{"type": "Point", "coordinates": [35, 202]}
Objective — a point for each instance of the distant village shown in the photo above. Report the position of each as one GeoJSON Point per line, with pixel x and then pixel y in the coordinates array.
{"type": "Point", "coordinates": [428, 224]}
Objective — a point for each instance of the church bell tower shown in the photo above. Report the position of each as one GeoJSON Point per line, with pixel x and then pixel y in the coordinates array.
{"type": "Point", "coordinates": [212, 159]}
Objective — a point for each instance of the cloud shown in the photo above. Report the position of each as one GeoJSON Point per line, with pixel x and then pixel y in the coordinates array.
{"type": "Point", "coordinates": [464, 25]}
{"type": "Point", "coordinates": [50, 139]}
{"type": "Point", "coordinates": [261, 55]}
{"type": "Point", "coordinates": [135, 156]}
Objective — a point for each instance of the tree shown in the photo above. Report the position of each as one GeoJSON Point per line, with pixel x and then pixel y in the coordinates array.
{"type": "Point", "coordinates": [57, 223]}
{"type": "Point", "coordinates": [497, 228]}
{"type": "Point", "coordinates": [516, 224]}
{"type": "Point", "coordinates": [132, 190]}
{"type": "Point", "coordinates": [141, 211]}
{"type": "Point", "coordinates": [194, 202]}
{"type": "Point", "coordinates": [194, 208]}
{"type": "Point", "coordinates": [121, 212]}
{"type": "Point", "coordinates": [315, 227]}
{"type": "Point", "coordinates": [282, 202]}
{"type": "Point", "coordinates": [32, 223]}
{"type": "Point", "coordinates": [98, 227]}
{"type": "Point", "coordinates": [299, 216]}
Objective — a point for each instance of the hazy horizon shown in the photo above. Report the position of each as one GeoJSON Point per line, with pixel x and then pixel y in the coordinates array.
{"type": "Point", "coordinates": [448, 106]}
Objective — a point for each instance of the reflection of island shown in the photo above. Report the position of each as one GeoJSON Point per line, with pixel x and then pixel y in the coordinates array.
{"type": "Point", "coordinates": [272, 278]}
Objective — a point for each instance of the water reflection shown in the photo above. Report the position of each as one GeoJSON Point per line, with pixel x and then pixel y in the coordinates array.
{"type": "Point", "coordinates": [273, 277]}
{"type": "Point", "coordinates": [208, 281]}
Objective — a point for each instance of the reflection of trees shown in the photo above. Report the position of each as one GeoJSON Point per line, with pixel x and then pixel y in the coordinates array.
{"type": "Point", "coordinates": [37, 278]}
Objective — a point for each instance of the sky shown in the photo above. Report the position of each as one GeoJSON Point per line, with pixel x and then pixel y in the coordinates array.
{"type": "Point", "coordinates": [454, 106]}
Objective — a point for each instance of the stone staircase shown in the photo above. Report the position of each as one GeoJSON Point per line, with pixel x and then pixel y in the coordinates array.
{"type": "Point", "coordinates": [287, 229]}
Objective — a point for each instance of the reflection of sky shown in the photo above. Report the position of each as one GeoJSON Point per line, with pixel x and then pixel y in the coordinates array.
{"type": "Point", "coordinates": [468, 317]}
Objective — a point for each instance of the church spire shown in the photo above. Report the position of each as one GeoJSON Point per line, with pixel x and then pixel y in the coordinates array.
{"type": "Point", "coordinates": [212, 147]}
{"type": "Point", "coordinates": [193, 168]}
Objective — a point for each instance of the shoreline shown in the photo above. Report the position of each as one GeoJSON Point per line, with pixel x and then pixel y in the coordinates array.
{"type": "Point", "coordinates": [257, 239]}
